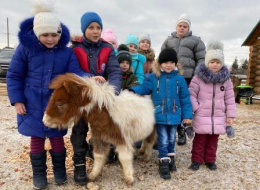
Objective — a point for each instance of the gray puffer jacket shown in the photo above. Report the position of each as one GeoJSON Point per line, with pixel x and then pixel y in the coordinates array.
{"type": "Point", "coordinates": [190, 50]}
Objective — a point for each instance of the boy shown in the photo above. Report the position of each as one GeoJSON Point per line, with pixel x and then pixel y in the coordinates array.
{"type": "Point", "coordinates": [96, 57]}
{"type": "Point", "coordinates": [171, 99]}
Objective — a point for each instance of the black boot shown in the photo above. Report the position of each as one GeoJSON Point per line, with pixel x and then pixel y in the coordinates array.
{"type": "Point", "coordinates": [164, 169]}
{"type": "Point", "coordinates": [172, 165]}
{"type": "Point", "coordinates": [59, 169]}
{"type": "Point", "coordinates": [181, 135]}
{"type": "Point", "coordinates": [195, 166]}
{"type": "Point", "coordinates": [211, 165]}
{"type": "Point", "coordinates": [80, 174]}
{"type": "Point", "coordinates": [39, 168]}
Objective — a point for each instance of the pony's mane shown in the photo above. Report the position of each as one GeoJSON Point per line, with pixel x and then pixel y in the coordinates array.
{"type": "Point", "coordinates": [101, 93]}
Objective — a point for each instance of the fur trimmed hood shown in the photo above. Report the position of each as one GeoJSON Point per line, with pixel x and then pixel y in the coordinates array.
{"type": "Point", "coordinates": [28, 38]}
{"type": "Point", "coordinates": [149, 54]}
{"type": "Point", "coordinates": [208, 76]}
{"type": "Point", "coordinates": [157, 69]}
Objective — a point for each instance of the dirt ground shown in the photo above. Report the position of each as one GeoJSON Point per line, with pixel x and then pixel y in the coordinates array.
{"type": "Point", "coordinates": [238, 160]}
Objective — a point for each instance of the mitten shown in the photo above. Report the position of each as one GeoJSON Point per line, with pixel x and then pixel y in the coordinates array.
{"type": "Point", "coordinates": [230, 131]}
{"type": "Point", "coordinates": [190, 132]}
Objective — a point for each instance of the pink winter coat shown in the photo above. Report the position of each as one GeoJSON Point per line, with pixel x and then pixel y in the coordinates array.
{"type": "Point", "coordinates": [212, 98]}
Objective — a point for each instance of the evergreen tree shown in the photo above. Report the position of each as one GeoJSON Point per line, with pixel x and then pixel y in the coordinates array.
{"type": "Point", "coordinates": [235, 65]}
{"type": "Point", "coordinates": [244, 65]}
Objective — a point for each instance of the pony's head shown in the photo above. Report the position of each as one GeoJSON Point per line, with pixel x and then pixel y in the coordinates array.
{"type": "Point", "coordinates": [67, 102]}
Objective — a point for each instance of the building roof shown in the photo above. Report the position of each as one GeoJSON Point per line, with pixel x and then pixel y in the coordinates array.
{"type": "Point", "coordinates": [254, 37]}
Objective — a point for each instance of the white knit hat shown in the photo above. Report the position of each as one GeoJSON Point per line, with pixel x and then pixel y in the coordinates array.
{"type": "Point", "coordinates": [214, 51]}
{"type": "Point", "coordinates": [144, 37]}
{"type": "Point", "coordinates": [45, 21]}
{"type": "Point", "coordinates": [184, 18]}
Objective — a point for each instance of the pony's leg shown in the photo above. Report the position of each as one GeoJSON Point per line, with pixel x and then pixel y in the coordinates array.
{"type": "Point", "coordinates": [141, 151]}
{"type": "Point", "coordinates": [100, 151]}
{"type": "Point", "coordinates": [149, 142]}
{"type": "Point", "coordinates": [125, 155]}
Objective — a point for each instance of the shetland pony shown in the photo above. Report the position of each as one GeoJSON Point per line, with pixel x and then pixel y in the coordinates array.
{"type": "Point", "coordinates": [118, 120]}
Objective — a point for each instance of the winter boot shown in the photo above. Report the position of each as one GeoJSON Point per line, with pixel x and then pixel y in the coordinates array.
{"type": "Point", "coordinates": [164, 168]}
{"type": "Point", "coordinates": [195, 166]}
{"type": "Point", "coordinates": [80, 174]}
{"type": "Point", "coordinates": [172, 165]}
{"type": "Point", "coordinates": [39, 168]}
{"type": "Point", "coordinates": [59, 169]}
{"type": "Point", "coordinates": [211, 165]}
{"type": "Point", "coordinates": [181, 135]}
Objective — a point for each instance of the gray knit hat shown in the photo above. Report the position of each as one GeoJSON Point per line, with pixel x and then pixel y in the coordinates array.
{"type": "Point", "coordinates": [184, 18]}
{"type": "Point", "coordinates": [144, 37]}
{"type": "Point", "coordinates": [214, 51]}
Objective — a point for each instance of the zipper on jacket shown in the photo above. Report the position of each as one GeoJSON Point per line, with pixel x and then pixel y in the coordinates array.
{"type": "Point", "coordinates": [162, 106]}
{"type": "Point", "coordinates": [158, 85]}
{"type": "Point", "coordinates": [213, 107]}
{"type": "Point", "coordinates": [174, 106]}
{"type": "Point", "coordinates": [177, 87]}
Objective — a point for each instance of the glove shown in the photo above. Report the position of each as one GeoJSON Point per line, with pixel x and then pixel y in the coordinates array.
{"type": "Point", "coordinates": [190, 132]}
{"type": "Point", "coordinates": [230, 131]}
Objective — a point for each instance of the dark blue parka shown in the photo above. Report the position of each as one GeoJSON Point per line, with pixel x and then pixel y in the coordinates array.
{"type": "Point", "coordinates": [170, 96]}
{"type": "Point", "coordinates": [31, 70]}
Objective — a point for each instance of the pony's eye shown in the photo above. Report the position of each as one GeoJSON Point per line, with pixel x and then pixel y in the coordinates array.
{"type": "Point", "coordinates": [59, 104]}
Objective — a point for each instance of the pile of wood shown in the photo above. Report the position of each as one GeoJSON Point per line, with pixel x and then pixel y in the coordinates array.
{"type": "Point", "coordinates": [253, 75]}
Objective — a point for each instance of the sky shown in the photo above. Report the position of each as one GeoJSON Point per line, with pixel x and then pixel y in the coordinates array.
{"type": "Point", "coordinates": [226, 20]}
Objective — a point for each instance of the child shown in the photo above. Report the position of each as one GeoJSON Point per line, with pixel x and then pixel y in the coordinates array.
{"type": "Point", "coordinates": [109, 36]}
{"type": "Point", "coordinates": [96, 57]}
{"type": "Point", "coordinates": [146, 50]}
{"type": "Point", "coordinates": [125, 63]}
{"type": "Point", "coordinates": [137, 59]}
{"type": "Point", "coordinates": [41, 56]}
{"type": "Point", "coordinates": [213, 105]}
{"type": "Point", "coordinates": [172, 104]}
{"type": "Point", "coordinates": [191, 52]}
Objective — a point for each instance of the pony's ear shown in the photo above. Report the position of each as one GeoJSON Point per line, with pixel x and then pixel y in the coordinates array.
{"type": "Point", "coordinates": [57, 82]}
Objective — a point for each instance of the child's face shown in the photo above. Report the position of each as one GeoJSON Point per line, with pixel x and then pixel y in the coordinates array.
{"type": "Point", "coordinates": [168, 66]}
{"type": "Point", "coordinates": [182, 29]}
{"type": "Point", "coordinates": [49, 39]}
{"type": "Point", "coordinates": [214, 65]}
{"type": "Point", "coordinates": [113, 44]}
{"type": "Point", "coordinates": [93, 32]}
{"type": "Point", "coordinates": [144, 45]}
{"type": "Point", "coordinates": [124, 66]}
{"type": "Point", "coordinates": [132, 48]}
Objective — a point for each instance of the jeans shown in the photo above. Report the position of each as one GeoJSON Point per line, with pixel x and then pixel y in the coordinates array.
{"type": "Point", "coordinates": [166, 139]}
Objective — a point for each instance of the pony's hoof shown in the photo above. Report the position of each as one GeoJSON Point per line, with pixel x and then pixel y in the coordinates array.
{"type": "Point", "coordinates": [91, 176]}
{"type": "Point", "coordinates": [129, 183]}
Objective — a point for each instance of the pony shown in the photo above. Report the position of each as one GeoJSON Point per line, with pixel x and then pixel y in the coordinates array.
{"type": "Point", "coordinates": [118, 120]}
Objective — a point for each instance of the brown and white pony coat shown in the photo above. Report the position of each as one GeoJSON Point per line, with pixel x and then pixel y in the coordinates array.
{"type": "Point", "coordinates": [118, 120]}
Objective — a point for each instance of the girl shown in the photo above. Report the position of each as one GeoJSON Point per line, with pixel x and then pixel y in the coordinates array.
{"type": "Point", "coordinates": [109, 36]}
{"type": "Point", "coordinates": [213, 105]}
{"type": "Point", "coordinates": [137, 59]}
{"type": "Point", "coordinates": [146, 50]}
{"type": "Point", "coordinates": [41, 55]}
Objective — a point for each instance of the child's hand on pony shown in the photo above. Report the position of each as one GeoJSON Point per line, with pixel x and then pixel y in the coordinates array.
{"type": "Point", "coordinates": [99, 79]}
{"type": "Point", "coordinates": [20, 108]}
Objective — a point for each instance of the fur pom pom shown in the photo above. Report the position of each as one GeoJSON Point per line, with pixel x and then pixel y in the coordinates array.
{"type": "Point", "coordinates": [213, 45]}
{"type": "Point", "coordinates": [122, 47]}
{"type": "Point", "coordinates": [43, 6]}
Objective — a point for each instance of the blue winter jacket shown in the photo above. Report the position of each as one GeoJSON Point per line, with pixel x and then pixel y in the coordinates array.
{"type": "Point", "coordinates": [31, 70]}
{"type": "Point", "coordinates": [170, 95]}
{"type": "Point", "coordinates": [137, 63]}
